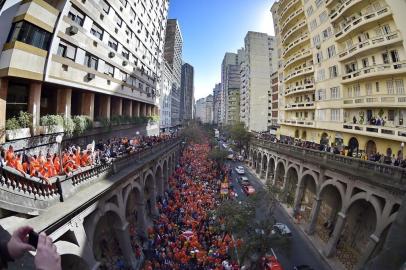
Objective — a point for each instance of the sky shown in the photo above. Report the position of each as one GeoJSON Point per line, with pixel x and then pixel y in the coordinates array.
{"type": "Point", "coordinates": [210, 28]}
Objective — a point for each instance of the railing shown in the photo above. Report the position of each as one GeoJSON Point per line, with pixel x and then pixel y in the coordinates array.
{"type": "Point", "coordinates": [288, 6]}
{"type": "Point", "coordinates": [293, 30]}
{"type": "Point", "coordinates": [387, 176]}
{"type": "Point", "coordinates": [376, 100]}
{"type": "Point", "coordinates": [399, 132]}
{"type": "Point", "coordinates": [342, 8]}
{"type": "Point", "coordinates": [368, 71]}
{"type": "Point", "coordinates": [296, 42]}
{"type": "Point", "coordinates": [356, 22]}
{"type": "Point", "coordinates": [374, 42]}
{"type": "Point", "coordinates": [299, 72]}
{"type": "Point", "coordinates": [297, 56]}
{"type": "Point", "coordinates": [299, 122]}
{"type": "Point", "coordinates": [291, 17]}
{"type": "Point", "coordinates": [300, 105]}
{"type": "Point", "coordinates": [299, 89]}
{"type": "Point", "coordinates": [34, 193]}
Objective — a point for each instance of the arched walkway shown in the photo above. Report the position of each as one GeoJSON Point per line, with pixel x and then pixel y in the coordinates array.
{"type": "Point", "coordinates": [280, 175]}
{"type": "Point", "coordinates": [150, 195]}
{"type": "Point", "coordinates": [271, 168]}
{"type": "Point", "coordinates": [289, 191]}
{"type": "Point", "coordinates": [135, 214]}
{"type": "Point", "coordinates": [307, 193]}
{"type": "Point", "coordinates": [258, 163]}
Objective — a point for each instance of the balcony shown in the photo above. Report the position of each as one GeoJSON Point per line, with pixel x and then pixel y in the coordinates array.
{"type": "Point", "coordinates": [299, 122]}
{"type": "Point", "coordinates": [342, 10]}
{"type": "Point", "coordinates": [293, 30]}
{"type": "Point", "coordinates": [294, 44]}
{"type": "Point", "coordinates": [300, 106]}
{"type": "Point", "coordinates": [298, 73]}
{"type": "Point", "coordinates": [299, 89]}
{"type": "Point", "coordinates": [287, 8]}
{"type": "Point", "coordinates": [303, 54]}
{"type": "Point", "coordinates": [381, 70]}
{"type": "Point", "coordinates": [291, 17]}
{"type": "Point", "coordinates": [282, 4]}
{"type": "Point", "coordinates": [391, 133]}
{"type": "Point", "coordinates": [374, 173]}
{"type": "Point", "coordinates": [377, 101]}
{"type": "Point", "coordinates": [328, 3]}
{"type": "Point", "coordinates": [370, 44]}
{"type": "Point", "coordinates": [361, 23]}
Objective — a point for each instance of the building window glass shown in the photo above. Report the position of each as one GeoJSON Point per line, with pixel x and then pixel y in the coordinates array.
{"type": "Point", "coordinates": [113, 43]}
{"type": "Point", "coordinates": [97, 31]}
{"type": "Point", "coordinates": [66, 50]}
{"type": "Point", "coordinates": [105, 6]}
{"type": "Point", "coordinates": [333, 71]}
{"type": "Point", "coordinates": [125, 53]}
{"type": "Point", "coordinates": [108, 69]}
{"type": "Point", "coordinates": [321, 94]}
{"type": "Point", "coordinates": [76, 16]}
{"type": "Point", "coordinates": [91, 61]}
{"type": "Point", "coordinates": [17, 99]}
{"type": "Point", "coordinates": [331, 51]}
{"type": "Point", "coordinates": [30, 34]}
{"type": "Point", "coordinates": [368, 87]}
{"type": "Point", "coordinates": [400, 89]}
{"type": "Point", "coordinates": [335, 92]}
{"type": "Point", "coordinates": [335, 115]}
{"type": "Point", "coordinates": [389, 86]}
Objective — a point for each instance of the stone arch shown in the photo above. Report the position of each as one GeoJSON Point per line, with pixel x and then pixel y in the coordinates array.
{"type": "Point", "coordinates": [353, 146]}
{"type": "Point", "coordinates": [254, 159]}
{"type": "Point", "coordinates": [135, 211]}
{"type": "Point", "coordinates": [165, 174]}
{"type": "Point", "coordinates": [264, 165]}
{"type": "Point", "coordinates": [271, 167]}
{"type": "Point", "coordinates": [307, 191]}
{"type": "Point", "coordinates": [336, 184]}
{"type": "Point", "coordinates": [370, 147]}
{"type": "Point", "coordinates": [159, 181]}
{"type": "Point", "coordinates": [368, 198]}
{"type": "Point", "coordinates": [170, 165]}
{"type": "Point", "coordinates": [280, 173]}
{"type": "Point", "coordinates": [290, 184]}
{"type": "Point", "coordinates": [150, 193]}
{"type": "Point", "coordinates": [304, 135]}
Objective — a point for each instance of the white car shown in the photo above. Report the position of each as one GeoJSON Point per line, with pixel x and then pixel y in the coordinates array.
{"type": "Point", "coordinates": [281, 229]}
{"type": "Point", "coordinates": [240, 170]}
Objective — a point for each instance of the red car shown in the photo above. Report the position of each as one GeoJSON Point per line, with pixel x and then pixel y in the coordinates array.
{"type": "Point", "coordinates": [248, 189]}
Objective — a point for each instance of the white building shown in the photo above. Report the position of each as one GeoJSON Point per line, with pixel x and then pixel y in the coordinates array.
{"type": "Point", "coordinates": [201, 110]}
{"type": "Point", "coordinates": [209, 110]}
{"type": "Point", "coordinates": [165, 99]}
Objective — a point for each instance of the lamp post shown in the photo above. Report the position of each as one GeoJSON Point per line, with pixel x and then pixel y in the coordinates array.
{"type": "Point", "coordinates": [58, 140]}
{"type": "Point", "coordinates": [402, 145]}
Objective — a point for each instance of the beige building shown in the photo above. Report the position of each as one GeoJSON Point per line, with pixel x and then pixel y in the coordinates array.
{"type": "Point", "coordinates": [342, 72]}
{"type": "Point", "coordinates": [256, 68]}
{"type": "Point", "coordinates": [103, 57]}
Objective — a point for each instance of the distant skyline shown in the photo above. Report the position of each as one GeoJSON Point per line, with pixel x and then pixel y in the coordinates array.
{"type": "Point", "coordinates": [210, 28]}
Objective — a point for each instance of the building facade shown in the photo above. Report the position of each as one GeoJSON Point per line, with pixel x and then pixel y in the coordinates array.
{"type": "Point", "coordinates": [103, 57]}
{"type": "Point", "coordinates": [216, 103]}
{"type": "Point", "coordinates": [165, 100]}
{"type": "Point", "coordinates": [256, 69]}
{"type": "Point", "coordinates": [201, 110]}
{"type": "Point", "coordinates": [274, 100]}
{"type": "Point", "coordinates": [187, 92]}
{"type": "Point", "coordinates": [173, 55]}
{"type": "Point", "coordinates": [209, 109]}
{"type": "Point", "coordinates": [343, 69]}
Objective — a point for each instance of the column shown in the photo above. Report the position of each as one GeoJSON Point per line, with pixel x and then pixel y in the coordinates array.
{"type": "Point", "coordinates": [366, 253]}
{"type": "Point", "coordinates": [127, 107]}
{"type": "Point", "coordinates": [105, 104]}
{"type": "Point", "coordinates": [298, 199]}
{"type": "Point", "coordinates": [123, 237]}
{"type": "Point", "coordinates": [148, 109]}
{"type": "Point", "coordinates": [143, 109]}
{"type": "Point", "coordinates": [332, 242]}
{"type": "Point", "coordinates": [3, 102]}
{"type": "Point", "coordinates": [87, 104]}
{"type": "Point", "coordinates": [136, 109]}
{"type": "Point", "coordinates": [64, 101]}
{"type": "Point", "coordinates": [34, 102]}
{"type": "Point", "coordinates": [311, 227]}
{"type": "Point", "coordinates": [116, 106]}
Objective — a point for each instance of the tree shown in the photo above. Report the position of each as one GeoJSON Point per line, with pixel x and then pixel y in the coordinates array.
{"type": "Point", "coordinates": [218, 155]}
{"type": "Point", "coordinates": [192, 133]}
{"type": "Point", "coordinates": [240, 135]}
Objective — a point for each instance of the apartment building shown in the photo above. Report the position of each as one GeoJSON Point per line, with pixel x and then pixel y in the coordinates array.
{"type": "Point", "coordinates": [217, 103]}
{"type": "Point", "coordinates": [102, 56]}
{"type": "Point", "coordinates": [274, 97]}
{"type": "Point", "coordinates": [343, 68]}
{"type": "Point", "coordinates": [256, 68]}
{"type": "Point", "coordinates": [165, 100]}
{"type": "Point", "coordinates": [187, 92]}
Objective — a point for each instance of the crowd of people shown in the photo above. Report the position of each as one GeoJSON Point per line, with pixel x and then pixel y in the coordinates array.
{"type": "Point", "coordinates": [389, 159]}
{"type": "Point", "coordinates": [187, 235]}
{"type": "Point", "coordinates": [74, 158]}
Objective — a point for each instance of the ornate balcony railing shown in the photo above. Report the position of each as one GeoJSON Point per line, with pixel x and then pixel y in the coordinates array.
{"type": "Point", "coordinates": [375, 70]}
{"type": "Point", "coordinates": [389, 177]}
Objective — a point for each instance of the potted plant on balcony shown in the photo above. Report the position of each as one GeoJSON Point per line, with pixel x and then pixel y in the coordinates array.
{"type": "Point", "coordinates": [19, 127]}
{"type": "Point", "coordinates": [82, 123]}
{"type": "Point", "coordinates": [361, 118]}
{"type": "Point", "coordinates": [51, 124]}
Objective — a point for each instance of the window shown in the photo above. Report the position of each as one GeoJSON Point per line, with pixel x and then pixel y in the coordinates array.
{"type": "Point", "coordinates": [390, 87]}
{"type": "Point", "coordinates": [323, 17]}
{"type": "Point", "coordinates": [105, 6]}
{"type": "Point", "coordinates": [313, 24]}
{"type": "Point", "coordinates": [319, 57]}
{"type": "Point", "coordinates": [391, 115]}
{"type": "Point", "coordinates": [368, 87]}
{"type": "Point", "coordinates": [335, 92]}
{"type": "Point", "coordinates": [118, 20]}
{"type": "Point", "coordinates": [321, 94]}
{"type": "Point", "coordinates": [108, 69]}
{"type": "Point", "coordinates": [113, 43]}
{"type": "Point", "coordinates": [357, 90]}
{"type": "Point", "coordinates": [377, 86]}
{"type": "Point", "coordinates": [309, 11]}
{"type": "Point", "coordinates": [335, 115]}
{"type": "Point", "coordinates": [351, 67]}
{"type": "Point", "coordinates": [76, 16]}
{"type": "Point", "coordinates": [320, 75]}
{"type": "Point", "coordinates": [91, 61]}
{"type": "Point", "coordinates": [333, 71]}
{"type": "Point", "coordinates": [385, 58]}
{"type": "Point", "coordinates": [316, 40]}
{"type": "Point", "coordinates": [321, 115]}
{"type": "Point", "coordinates": [326, 33]}
{"type": "Point", "coordinates": [125, 53]}
{"type": "Point", "coordinates": [386, 29]}
{"type": "Point", "coordinates": [331, 51]}
{"type": "Point", "coordinates": [123, 2]}
{"type": "Point", "coordinates": [318, 3]}
{"type": "Point", "coordinates": [97, 31]}
{"type": "Point", "coordinates": [400, 89]}
{"type": "Point", "coordinates": [66, 50]}
{"type": "Point", "coordinates": [365, 62]}
{"type": "Point", "coordinates": [30, 34]}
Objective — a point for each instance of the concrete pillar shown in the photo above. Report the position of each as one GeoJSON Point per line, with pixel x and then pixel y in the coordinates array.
{"type": "Point", "coordinates": [311, 227]}
{"type": "Point", "coordinates": [136, 109]}
{"type": "Point", "coordinates": [143, 109]}
{"type": "Point", "coordinates": [123, 237]}
{"type": "Point", "coordinates": [338, 229]}
{"type": "Point", "coordinates": [87, 104]}
{"type": "Point", "coordinates": [64, 101]}
{"type": "Point", "coordinates": [367, 252]}
{"type": "Point", "coordinates": [3, 102]}
{"type": "Point", "coordinates": [116, 106]}
{"type": "Point", "coordinates": [298, 198]}
{"type": "Point", "coordinates": [34, 102]}
{"type": "Point", "coordinates": [127, 107]}
{"type": "Point", "coordinates": [105, 104]}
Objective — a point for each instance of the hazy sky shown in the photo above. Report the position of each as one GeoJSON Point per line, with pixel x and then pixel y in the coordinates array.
{"type": "Point", "coordinates": [212, 27]}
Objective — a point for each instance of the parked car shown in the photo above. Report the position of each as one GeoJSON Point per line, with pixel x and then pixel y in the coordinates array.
{"type": "Point", "coordinates": [240, 170]}
{"type": "Point", "coordinates": [243, 180]}
{"type": "Point", "coordinates": [249, 190]}
{"type": "Point", "coordinates": [302, 267]}
{"type": "Point", "coordinates": [281, 229]}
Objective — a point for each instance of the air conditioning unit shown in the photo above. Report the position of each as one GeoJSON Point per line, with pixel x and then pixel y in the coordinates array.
{"type": "Point", "coordinates": [318, 47]}
{"type": "Point", "coordinates": [125, 62]}
{"type": "Point", "coordinates": [112, 54]}
{"type": "Point", "coordinates": [72, 30]}
{"type": "Point", "coordinates": [90, 76]}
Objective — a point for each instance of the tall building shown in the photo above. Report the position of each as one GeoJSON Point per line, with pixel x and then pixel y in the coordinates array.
{"type": "Point", "coordinates": [343, 68]}
{"type": "Point", "coordinates": [103, 57]}
{"type": "Point", "coordinates": [256, 69]}
{"type": "Point", "coordinates": [201, 110]}
{"type": "Point", "coordinates": [217, 103]}
{"type": "Point", "coordinates": [173, 55]}
{"type": "Point", "coordinates": [209, 109]}
{"type": "Point", "coordinates": [187, 92]}
{"type": "Point", "coordinates": [274, 103]}
{"type": "Point", "coordinates": [166, 85]}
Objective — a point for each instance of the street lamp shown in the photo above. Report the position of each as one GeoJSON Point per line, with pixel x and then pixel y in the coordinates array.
{"type": "Point", "coordinates": [402, 145]}
{"type": "Point", "coordinates": [58, 140]}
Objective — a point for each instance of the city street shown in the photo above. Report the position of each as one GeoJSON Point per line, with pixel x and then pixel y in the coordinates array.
{"type": "Point", "coordinates": [300, 251]}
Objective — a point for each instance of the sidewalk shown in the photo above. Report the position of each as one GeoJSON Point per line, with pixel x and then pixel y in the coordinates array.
{"type": "Point", "coordinates": [317, 244]}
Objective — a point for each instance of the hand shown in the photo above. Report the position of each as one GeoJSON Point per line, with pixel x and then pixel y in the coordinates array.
{"type": "Point", "coordinates": [47, 258]}
{"type": "Point", "coordinates": [18, 243]}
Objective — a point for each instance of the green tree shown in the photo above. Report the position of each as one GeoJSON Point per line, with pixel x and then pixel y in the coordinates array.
{"type": "Point", "coordinates": [240, 135]}
{"type": "Point", "coordinates": [218, 155]}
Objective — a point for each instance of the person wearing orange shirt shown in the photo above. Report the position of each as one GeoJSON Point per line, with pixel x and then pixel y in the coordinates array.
{"type": "Point", "coordinates": [10, 156]}
{"type": "Point", "coordinates": [18, 164]}
{"type": "Point", "coordinates": [86, 159]}
{"type": "Point", "coordinates": [57, 164]}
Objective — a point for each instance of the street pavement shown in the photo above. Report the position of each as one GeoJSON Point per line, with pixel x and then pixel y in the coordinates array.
{"type": "Point", "coordinates": [300, 251]}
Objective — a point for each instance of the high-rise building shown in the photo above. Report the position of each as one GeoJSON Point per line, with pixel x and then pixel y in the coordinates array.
{"type": "Point", "coordinates": [103, 57]}
{"type": "Point", "coordinates": [256, 69]}
{"type": "Point", "coordinates": [187, 92]}
{"type": "Point", "coordinates": [343, 70]}
{"type": "Point", "coordinates": [274, 102]}
{"type": "Point", "coordinates": [217, 103]}
{"type": "Point", "coordinates": [173, 55]}
{"type": "Point", "coordinates": [201, 110]}
{"type": "Point", "coordinates": [166, 85]}
{"type": "Point", "coordinates": [209, 109]}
